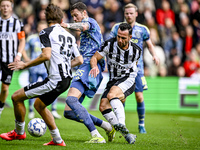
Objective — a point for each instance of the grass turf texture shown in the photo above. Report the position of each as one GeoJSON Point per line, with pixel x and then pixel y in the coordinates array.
{"type": "Point", "coordinates": [164, 131]}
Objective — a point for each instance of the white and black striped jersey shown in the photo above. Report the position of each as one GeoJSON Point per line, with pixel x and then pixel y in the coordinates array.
{"type": "Point", "coordinates": [8, 38]}
{"type": "Point", "coordinates": [120, 62]}
{"type": "Point", "coordinates": [63, 45]}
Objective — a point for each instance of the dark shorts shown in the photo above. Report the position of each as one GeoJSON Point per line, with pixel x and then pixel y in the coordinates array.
{"type": "Point", "coordinates": [127, 85]}
{"type": "Point", "coordinates": [47, 90]}
{"type": "Point", "coordinates": [7, 74]}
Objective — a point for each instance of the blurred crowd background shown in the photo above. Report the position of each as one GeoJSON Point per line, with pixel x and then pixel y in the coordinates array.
{"type": "Point", "coordinates": [174, 28]}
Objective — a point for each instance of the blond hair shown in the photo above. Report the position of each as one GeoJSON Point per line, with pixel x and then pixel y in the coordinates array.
{"type": "Point", "coordinates": [130, 5]}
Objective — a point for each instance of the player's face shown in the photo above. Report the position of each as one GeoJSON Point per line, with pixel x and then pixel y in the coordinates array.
{"type": "Point", "coordinates": [123, 39]}
{"type": "Point", "coordinates": [77, 15]}
{"type": "Point", "coordinates": [130, 15]}
{"type": "Point", "coordinates": [6, 9]}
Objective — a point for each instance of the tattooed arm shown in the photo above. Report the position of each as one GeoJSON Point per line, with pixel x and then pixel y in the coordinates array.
{"type": "Point", "coordinates": [80, 26]}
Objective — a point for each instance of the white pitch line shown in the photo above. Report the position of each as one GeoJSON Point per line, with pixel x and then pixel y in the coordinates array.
{"type": "Point", "coordinates": [189, 119]}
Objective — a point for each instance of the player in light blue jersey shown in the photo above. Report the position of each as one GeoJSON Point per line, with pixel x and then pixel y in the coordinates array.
{"type": "Point", "coordinates": [140, 34]}
{"type": "Point", "coordinates": [34, 49]}
{"type": "Point", "coordinates": [82, 84]}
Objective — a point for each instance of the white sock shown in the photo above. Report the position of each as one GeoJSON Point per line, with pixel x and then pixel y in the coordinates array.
{"type": "Point", "coordinates": [106, 126]}
{"type": "Point", "coordinates": [56, 136]}
{"type": "Point", "coordinates": [1, 109]}
{"type": "Point", "coordinates": [111, 118]}
{"type": "Point", "coordinates": [19, 127]}
{"type": "Point", "coordinates": [118, 109]}
{"type": "Point", "coordinates": [95, 132]}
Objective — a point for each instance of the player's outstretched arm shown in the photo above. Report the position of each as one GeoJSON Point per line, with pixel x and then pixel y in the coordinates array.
{"type": "Point", "coordinates": [44, 56]}
{"type": "Point", "coordinates": [76, 26]}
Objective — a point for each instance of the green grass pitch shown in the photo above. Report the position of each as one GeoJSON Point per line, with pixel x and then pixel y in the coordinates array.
{"type": "Point", "coordinates": [164, 132]}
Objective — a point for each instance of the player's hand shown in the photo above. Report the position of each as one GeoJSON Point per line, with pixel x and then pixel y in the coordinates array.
{"type": "Point", "coordinates": [17, 58]}
{"type": "Point", "coordinates": [16, 65]}
{"type": "Point", "coordinates": [156, 60]}
{"type": "Point", "coordinates": [64, 25]}
{"type": "Point", "coordinates": [94, 72]}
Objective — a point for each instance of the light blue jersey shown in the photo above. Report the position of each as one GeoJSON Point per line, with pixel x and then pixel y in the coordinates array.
{"type": "Point", "coordinates": [33, 46]}
{"type": "Point", "coordinates": [140, 34]}
{"type": "Point", "coordinates": [90, 40]}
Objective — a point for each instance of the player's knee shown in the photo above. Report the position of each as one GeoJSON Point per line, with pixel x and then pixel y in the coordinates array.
{"type": "Point", "coordinates": [71, 100]}
{"type": "Point", "coordinates": [110, 96]}
{"type": "Point", "coordinates": [139, 97]}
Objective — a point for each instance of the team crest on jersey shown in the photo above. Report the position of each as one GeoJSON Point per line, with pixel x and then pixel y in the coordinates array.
{"type": "Point", "coordinates": [42, 32]}
{"type": "Point", "coordinates": [137, 34]}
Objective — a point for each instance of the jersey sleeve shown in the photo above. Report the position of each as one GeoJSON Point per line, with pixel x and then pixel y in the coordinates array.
{"type": "Point", "coordinates": [44, 39]}
{"type": "Point", "coordinates": [146, 33]}
{"type": "Point", "coordinates": [113, 32]}
{"type": "Point", "coordinates": [104, 49]}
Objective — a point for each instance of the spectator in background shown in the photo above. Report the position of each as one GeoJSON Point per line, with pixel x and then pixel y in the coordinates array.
{"type": "Point", "coordinates": [24, 9]}
{"type": "Point", "coordinates": [176, 68]}
{"type": "Point", "coordinates": [94, 7]}
{"type": "Point", "coordinates": [173, 47]}
{"type": "Point", "coordinates": [196, 23]}
{"type": "Point", "coordinates": [196, 51]}
{"type": "Point", "coordinates": [30, 26]}
{"type": "Point", "coordinates": [188, 39]}
{"type": "Point", "coordinates": [113, 15]}
{"type": "Point", "coordinates": [162, 13]}
{"type": "Point", "coordinates": [190, 65]}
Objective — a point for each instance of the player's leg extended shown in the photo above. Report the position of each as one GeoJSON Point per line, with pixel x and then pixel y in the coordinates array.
{"type": "Point", "coordinates": [19, 110]}
{"type": "Point", "coordinates": [81, 112]}
{"type": "Point", "coordinates": [141, 85]}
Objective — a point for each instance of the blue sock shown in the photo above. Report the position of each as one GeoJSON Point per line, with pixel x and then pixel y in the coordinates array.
{"type": "Point", "coordinates": [31, 101]}
{"type": "Point", "coordinates": [141, 112]}
{"type": "Point", "coordinates": [69, 114]}
{"type": "Point", "coordinates": [80, 112]}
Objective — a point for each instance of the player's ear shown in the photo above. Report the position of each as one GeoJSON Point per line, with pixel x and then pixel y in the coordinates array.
{"type": "Point", "coordinates": [62, 20]}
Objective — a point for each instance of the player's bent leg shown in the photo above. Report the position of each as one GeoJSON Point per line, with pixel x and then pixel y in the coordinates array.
{"type": "Point", "coordinates": [49, 120]}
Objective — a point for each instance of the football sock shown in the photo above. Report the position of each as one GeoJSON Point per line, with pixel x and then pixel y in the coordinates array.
{"type": "Point", "coordinates": [118, 109]}
{"type": "Point", "coordinates": [1, 104]}
{"type": "Point", "coordinates": [56, 136]}
{"type": "Point", "coordinates": [141, 112]}
{"type": "Point", "coordinates": [31, 101]}
{"type": "Point", "coordinates": [110, 116]}
{"type": "Point", "coordinates": [69, 114]}
{"type": "Point", "coordinates": [95, 132]}
{"type": "Point", "coordinates": [106, 126]}
{"type": "Point", "coordinates": [19, 127]}
{"type": "Point", "coordinates": [53, 105]}
{"type": "Point", "coordinates": [80, 112]}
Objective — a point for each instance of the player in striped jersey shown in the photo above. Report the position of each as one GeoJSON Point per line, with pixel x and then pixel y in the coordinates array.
{"type": "Point", "coordinates": [57, 46]}
{"type": "Point", "coordinates": [11, 31]}
{"type": "Point", "coordinates": [122, 57]}
{"type": "Point", "coordinates": [139, 35]}
{"type": "Point", "coordinates": [82, 84]}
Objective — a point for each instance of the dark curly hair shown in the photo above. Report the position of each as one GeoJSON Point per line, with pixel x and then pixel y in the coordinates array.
{"type": "Point", "coordinates": [54, 14]}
